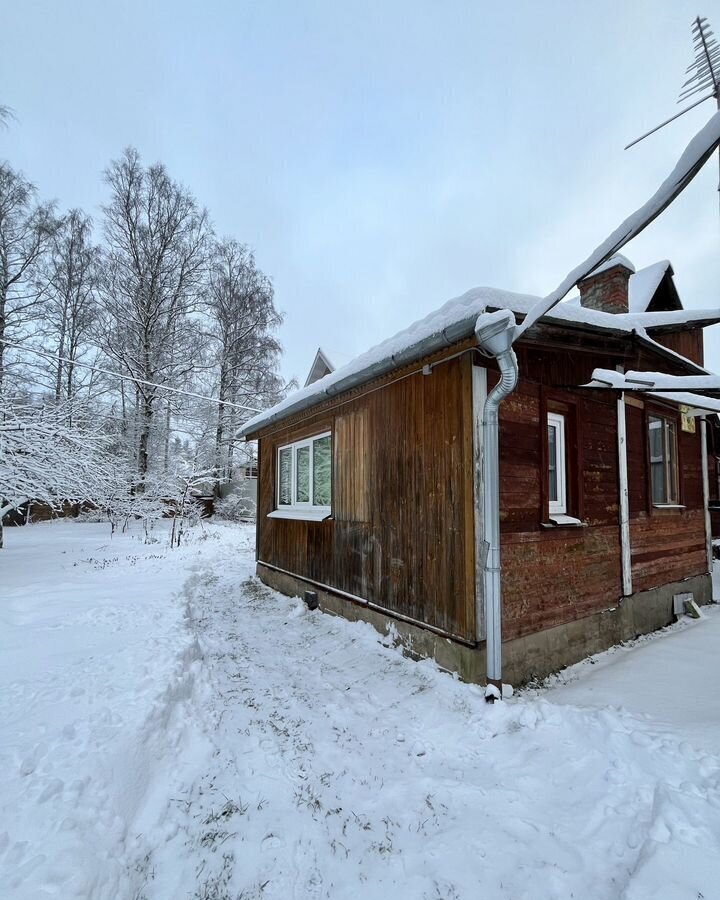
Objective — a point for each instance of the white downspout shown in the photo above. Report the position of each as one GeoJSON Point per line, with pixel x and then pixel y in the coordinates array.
{"type": "Point", "coordinates": [494, 332]}
{"type": "Point", "coordinates": [706, 493]}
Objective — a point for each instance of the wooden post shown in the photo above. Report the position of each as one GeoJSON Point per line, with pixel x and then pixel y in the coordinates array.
{"type": "Point", "coordinates": [624, 505]}
{"type": "Point", "coordinates": [706, 493]}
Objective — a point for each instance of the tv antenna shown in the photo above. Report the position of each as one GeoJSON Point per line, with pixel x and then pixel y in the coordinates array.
{"type": "Point", "coordinates": [704, 75]}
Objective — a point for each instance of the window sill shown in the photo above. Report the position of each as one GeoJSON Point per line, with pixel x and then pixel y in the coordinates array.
{"type": "Point", "coordinates": [560, 520]}
{"type": "Point", "coordinates": [302, 515]}
{"type": "Point", "coordinates": [669, 506]}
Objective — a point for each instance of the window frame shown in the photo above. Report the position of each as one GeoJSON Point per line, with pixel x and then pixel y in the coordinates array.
{"type": "Point", "coordinates": [670, 461]}
{"type": "Point", "coordinates": [301, 509]}
{"type": "Point", "coordinates": [557, 421]}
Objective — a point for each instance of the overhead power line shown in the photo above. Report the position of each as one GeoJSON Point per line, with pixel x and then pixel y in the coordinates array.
{"type": "Point", "coordinates": [163, 387]}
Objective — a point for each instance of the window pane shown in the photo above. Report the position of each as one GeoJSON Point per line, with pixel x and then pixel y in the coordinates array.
{"type": "Point", "coordinates": [657, 460]}
{"type": "Point", "coordinates": [321, 471]}
{"type": "Point", "coordinates": [552, 464]}
{"type": "Point", "coordinates": [302, 475]}
{"type": "Point", "coordinates": [672, 492]}
{"type": "Point", "coordinates": [657, 477]}
{"type": "Point", "coordinates": [285, 478]}
{"type": "Point", "coordinates": [656, 440]}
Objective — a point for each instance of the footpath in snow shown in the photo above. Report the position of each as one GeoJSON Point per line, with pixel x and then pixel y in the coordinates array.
{"type": "Point", "coordinates": [231, 744]}
{"type": "Point", "coordinates": [95, 653]}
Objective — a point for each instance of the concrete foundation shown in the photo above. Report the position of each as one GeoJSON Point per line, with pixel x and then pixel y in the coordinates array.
{"type": "Point", "coordinates": [530, 657]}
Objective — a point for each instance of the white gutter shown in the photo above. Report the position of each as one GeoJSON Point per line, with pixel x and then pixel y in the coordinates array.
{"type": "Point", "coordinates": [494, 333]}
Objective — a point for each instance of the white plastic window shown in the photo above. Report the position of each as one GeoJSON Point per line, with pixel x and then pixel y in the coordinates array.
{"type": "Point", "coordinates": [557, 465]}
{"type": "Point", "coordinates": [304, 478]}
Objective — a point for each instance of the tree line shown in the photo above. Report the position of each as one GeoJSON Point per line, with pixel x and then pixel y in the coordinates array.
{"type": "Point", "coordinates": [121, 328]}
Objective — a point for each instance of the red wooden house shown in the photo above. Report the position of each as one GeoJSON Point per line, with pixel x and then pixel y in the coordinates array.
{"type": "Point", "coordinates": [371, 493]}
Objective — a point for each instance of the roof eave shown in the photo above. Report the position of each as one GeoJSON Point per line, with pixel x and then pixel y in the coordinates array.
{"type": "Point", "coordinates": [458, 331]}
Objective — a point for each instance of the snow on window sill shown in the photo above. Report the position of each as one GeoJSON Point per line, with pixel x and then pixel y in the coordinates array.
{"type": "Point", "coordinates": [560, 519]}
{"type": "Point", "coordinates": [316, 514]}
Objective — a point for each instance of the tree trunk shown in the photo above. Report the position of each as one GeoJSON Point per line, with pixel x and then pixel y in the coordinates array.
{"type": "Point", "coordinates": [60, 353]}
{"type": "Point", "coordinates": [167, 436]}
{"type": "Point", "coordinates": [220, 433]}
{"type": "Point", "coordinates": [144, 439]}
{"type": "Point", "coordinates": [3, 302]}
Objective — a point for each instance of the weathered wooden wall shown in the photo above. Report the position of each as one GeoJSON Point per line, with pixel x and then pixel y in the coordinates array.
{"type": "Point", "coordinates": [687, 343]}
{"type": "Point", "coordinates": [401, 534]}
{"type": "Point", "coordinates": [667, 544]}
{"type": "Point", "coordinates": [553, 575]}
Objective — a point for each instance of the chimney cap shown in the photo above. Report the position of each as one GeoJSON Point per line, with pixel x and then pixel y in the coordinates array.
{"type": "Point", "coordinates": [616, 260]}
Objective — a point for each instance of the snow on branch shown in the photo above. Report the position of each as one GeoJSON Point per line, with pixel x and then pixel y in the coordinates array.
{"type": "Point", "coordinates": [692, 160]}
{"type": "Point", "coordinates": [44, 459]}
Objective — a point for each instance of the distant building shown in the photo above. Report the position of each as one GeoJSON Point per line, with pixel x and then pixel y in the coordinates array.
{"type": "Point", "coordinates": [320, 368]}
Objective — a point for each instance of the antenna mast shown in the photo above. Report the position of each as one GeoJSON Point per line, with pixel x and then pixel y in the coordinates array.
{"type": "Point", "coordinates": [704, 72]}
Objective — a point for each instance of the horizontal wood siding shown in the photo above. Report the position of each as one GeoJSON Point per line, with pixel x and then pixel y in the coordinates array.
{"type": "Point", "coordinates": [552, 575]}
{"type": "Point", "coordinates": [402, 500]}
{"type": "Point", "coordinates": [557, 576]}
{"type": "Point", "coordinates": [667, 544]}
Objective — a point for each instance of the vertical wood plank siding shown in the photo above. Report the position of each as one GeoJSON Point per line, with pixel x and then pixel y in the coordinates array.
{"type": "Point", "coordinates": [401, 536]}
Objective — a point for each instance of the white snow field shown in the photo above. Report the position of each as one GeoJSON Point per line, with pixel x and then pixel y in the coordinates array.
{"type": "Point", "coordinates": [172, 729]}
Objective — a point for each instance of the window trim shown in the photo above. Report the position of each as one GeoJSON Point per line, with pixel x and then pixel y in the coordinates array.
{"type": "Point", "coordinates": [558, 507]}
{"type": "Point", "coordinates": [668, 459]}
{"type": "Point", "coordinates": [304, 509]}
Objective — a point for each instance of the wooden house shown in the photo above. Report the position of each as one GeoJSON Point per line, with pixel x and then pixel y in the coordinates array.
{"type": "Point", "coordinates": [370, 488]}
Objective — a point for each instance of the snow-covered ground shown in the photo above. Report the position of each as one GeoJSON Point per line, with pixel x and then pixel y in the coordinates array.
{"type": "Point", "coordinates": [172, 729]}
{"type": "Point", "coordinates": [672, 677]}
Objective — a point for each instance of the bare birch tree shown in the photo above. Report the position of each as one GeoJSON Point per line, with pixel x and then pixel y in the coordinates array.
{"type": "Point", "coordinates": [156, 237]}
{"type": "Point", "coordinates": [240, 303]}
{"type": "Point", "coordinates": [26, 229]}
{"type": "Point", "coordinates": [71, 272]}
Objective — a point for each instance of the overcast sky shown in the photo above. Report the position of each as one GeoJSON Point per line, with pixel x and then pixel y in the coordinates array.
{"type": "Point", "coordinates": [380, 157]}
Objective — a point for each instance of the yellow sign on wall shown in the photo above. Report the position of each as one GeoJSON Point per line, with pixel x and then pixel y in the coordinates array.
{"type": "Point", "coordinates": [687, 422]}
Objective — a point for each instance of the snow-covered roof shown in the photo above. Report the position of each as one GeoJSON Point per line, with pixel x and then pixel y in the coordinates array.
{"type": "Point", "coordinates": [643, 285]}
{"type": "Point", "coordinates": [654, 320]}
{"type": "Point", "coordinates": [676, 388]}
{"type": "Point", "coordinates": [672, 318]}
{"type": "Point", "coordinates": [452, 322]}
{"type": "Point", "coordinates": [633, 380]}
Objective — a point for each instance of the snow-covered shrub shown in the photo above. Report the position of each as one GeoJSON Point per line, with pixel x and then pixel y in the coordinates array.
{"type": "Point", "coordinates": [235, 508]}
{"type": "Point", "coordinates": [52, 455]}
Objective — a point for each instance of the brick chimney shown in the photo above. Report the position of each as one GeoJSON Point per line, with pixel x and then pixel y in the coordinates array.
{"type": "Point", "coordinates": [606, 288]}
